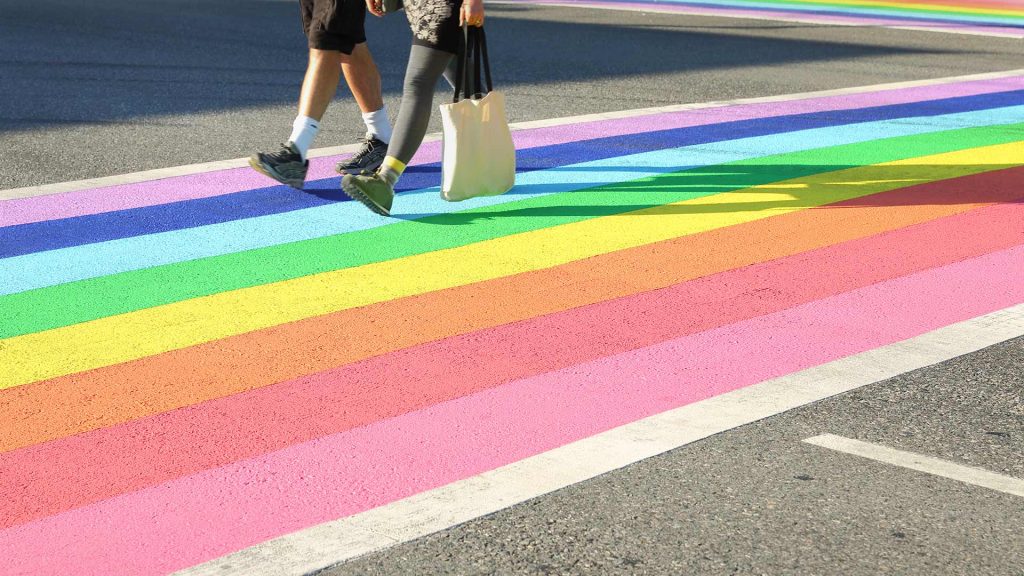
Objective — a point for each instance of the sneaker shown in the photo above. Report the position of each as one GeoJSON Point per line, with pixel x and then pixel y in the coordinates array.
{"type": "Point", "coordinates": [367, 159]}
{"type": "Point", "coordinates": [286, 165]}
{"type": "Point", "coordinates": [370, 189]}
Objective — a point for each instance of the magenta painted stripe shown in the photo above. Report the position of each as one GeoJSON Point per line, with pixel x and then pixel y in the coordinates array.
{"type": "Point", "coordinates": [217, 511]}
{"type": "Point", "coordinates": [786, 15]}
{"type": "Point", "coordinates": [70, 472]}
{"type": "Point", "coordinates": [220, 182]}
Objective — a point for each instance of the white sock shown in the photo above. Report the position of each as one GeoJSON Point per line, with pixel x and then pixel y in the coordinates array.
{"type": "Point", "coordinates": [378, 125]}
{"type": "Point", "coordinates": [304, 130]}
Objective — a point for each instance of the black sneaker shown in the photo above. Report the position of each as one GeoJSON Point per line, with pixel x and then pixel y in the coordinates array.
{"type": "Point", "coordinates": [286, 165]}
{"type": "Point", "coordinates": [369, 157]}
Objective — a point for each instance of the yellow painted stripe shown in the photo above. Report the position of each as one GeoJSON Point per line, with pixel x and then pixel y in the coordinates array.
{"type": "Point", "coordinates": [151, 331]}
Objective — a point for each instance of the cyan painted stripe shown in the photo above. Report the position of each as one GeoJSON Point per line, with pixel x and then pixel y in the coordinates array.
{"type": "Point", "coordinates": [59, 266]}
{"type": "Point", "coordinates": [63, 233]}
{"type": "Point", "coordinates": [822, 10]}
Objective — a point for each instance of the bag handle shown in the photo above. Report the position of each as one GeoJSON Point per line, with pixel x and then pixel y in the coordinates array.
{"type": "Point", "coordinates": [487, 63]}
{"type": "Point", "coordinates": [460, 66]}
{"type": "Point", "coordinates": [474, 40]}
{"type": "Point", "coordinates": [472, 49]}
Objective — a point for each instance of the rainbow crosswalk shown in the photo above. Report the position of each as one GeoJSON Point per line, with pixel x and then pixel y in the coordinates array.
{"type": "Point", "coordinates": [197, 364]}
{"type": "Point", "coordinates": [1003, 18]}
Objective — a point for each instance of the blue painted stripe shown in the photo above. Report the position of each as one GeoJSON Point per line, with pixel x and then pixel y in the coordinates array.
{"type": "Point", "coordinates": [55, 267]}
{"type": "Point", "coordinates": [63, 233]}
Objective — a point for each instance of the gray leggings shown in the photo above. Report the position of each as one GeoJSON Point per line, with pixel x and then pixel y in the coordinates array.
{"type": "Point", "coordinates": [426, 66]}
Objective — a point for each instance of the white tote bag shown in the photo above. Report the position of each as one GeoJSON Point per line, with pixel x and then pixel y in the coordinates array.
{"type": "Point", "coordinates": [478, 158]}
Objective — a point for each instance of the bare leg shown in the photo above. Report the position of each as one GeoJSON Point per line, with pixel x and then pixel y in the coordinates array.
{"type": "Point", "coordinates": [320, 83]}
{"type": "Point", "coordinates": [324, 73]}
{"type": "Point", "coordinates": [363, 78]}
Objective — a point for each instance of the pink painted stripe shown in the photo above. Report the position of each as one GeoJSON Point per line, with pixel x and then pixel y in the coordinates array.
{"type": "Point", "coordinates": [788, 15]}
{"type": "Point", "coordinates": [122, 197]}
{"type": "Point", "coordinates": [70, 472]}
{"type": "Point", "coordinates": [214, 512]}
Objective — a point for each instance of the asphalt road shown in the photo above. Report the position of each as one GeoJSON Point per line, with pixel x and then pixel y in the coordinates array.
{"type": "Point", "coordinates": [757, 500]}
{"type": "Point", "coordinates": [93, 89]}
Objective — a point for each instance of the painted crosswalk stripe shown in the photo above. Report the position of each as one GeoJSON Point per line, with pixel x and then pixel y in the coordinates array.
{"type": "Point", "coordinates": [973, 17]}
{"type": "Point", "coordinates": [216, 400]}
{"type": "Point", "coordinates": [921, 463]}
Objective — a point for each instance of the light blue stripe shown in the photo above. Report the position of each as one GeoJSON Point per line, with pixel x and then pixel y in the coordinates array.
{"type": "Point", "coordinates": [42, 269]}
{"type": "Point", "coordinates": [896, 13]}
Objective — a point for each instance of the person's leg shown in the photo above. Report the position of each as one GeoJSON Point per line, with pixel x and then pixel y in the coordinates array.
{"type": "Point", "coordinates": [321, 82]}
{"type": "Point", "coordinates": [363, 80]}
{"type": "Point", "coordinates": [330, 42]}
{"type": "Point", "coordinates": [333, 28]}
{"type": "Point", "coordinates": [436, 39]}
{"type": "Point", "coordinates": [318, 88]}
{"type": "Point", "coordinates": [337, 42]}
{"type": "Point", "coordinates": [338, 25]}
{"type": "Point", "coordinates": [289, 164]}
{"type": "Point", "coordinates": [426, 65]}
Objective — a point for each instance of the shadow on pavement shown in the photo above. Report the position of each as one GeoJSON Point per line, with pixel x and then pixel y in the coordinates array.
{"type": "Point", "coordinates": [659, 196]}
{"type": "Point", "coordinates": [70, 62]}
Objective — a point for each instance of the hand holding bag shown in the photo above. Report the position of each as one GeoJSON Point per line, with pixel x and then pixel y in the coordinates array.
{"type": "Point", "coordinates": [479, 158]}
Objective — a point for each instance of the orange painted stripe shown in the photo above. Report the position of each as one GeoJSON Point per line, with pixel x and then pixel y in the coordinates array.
{"type": "Point", "coordinates": [124, 392]}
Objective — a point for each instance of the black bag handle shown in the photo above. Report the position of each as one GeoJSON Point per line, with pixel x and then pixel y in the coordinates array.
{"type": "Point", "coordinates": [460, 68]}
{"type": "Point", "coordinates": [472, 49]}
{"type": "Point", "coordinates": [486, 60]}
{"type": "Point", "coordinates": [474, 34]}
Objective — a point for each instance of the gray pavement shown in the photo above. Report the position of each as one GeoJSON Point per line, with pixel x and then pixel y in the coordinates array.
{"type": "Point", "coordinates": [92, 89]}
{"type": "Point", "coordinates": [757, 500]}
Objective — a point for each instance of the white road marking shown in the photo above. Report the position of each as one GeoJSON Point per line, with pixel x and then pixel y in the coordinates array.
{"type": "Point", "coordinates": [161, 173]}
{"type": "Point", "coordinates": [928, 464]}
{"type": "Point", "coordinates": [341, 540]}
{"type": "Point", "coordinates": [653, 9]}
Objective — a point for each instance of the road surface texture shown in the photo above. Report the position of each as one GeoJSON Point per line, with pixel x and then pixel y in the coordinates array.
{"type": "Point", "coordinates": [755, 305]}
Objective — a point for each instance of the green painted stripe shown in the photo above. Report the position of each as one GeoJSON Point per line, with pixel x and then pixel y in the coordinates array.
{"type": "Point", "coordinates": [72, 303]}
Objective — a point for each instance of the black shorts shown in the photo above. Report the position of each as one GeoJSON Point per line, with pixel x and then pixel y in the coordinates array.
{"type": "Point", "coordinates": [334, 24]}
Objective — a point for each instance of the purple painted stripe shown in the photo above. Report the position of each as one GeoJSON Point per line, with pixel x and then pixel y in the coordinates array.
{"type": "Point", "coordinates": [221, 182]}
{"type": "Point", "coordinates": [789, 15]}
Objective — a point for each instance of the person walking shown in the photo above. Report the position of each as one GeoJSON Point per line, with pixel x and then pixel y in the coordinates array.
{"type": "Point", "coordinates": [337, 45]}
{"type": "Point", "coordinates": [436, 26]}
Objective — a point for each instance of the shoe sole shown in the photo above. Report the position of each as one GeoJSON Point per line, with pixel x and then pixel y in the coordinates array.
{"type": "Point", "coordinates": [357, 195]}
{"type": "Point", "coordinates": [272, 174]}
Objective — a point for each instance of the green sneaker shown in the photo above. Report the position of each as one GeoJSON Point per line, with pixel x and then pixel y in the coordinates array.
{"type": "Point", "coordinates": [370, 189]}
